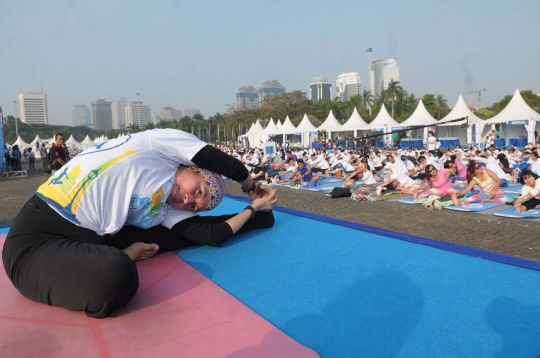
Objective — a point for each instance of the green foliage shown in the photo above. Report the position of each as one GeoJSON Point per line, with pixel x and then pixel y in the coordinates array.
{"type": "Point", "coordinates": [430, 103]}
{"type": "Point", "coordinates": [441, 107]}
{"type": "Point", "coordinates": [484, 113]}
{"type": "Point", "coordinates": [531, 98]}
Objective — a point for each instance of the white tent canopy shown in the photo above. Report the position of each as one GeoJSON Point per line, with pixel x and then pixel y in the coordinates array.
{"type": "Point", "coordinates": [355, 123]}
{"type": "Point", "coordinates": [306, 130]}
{"type": "Point", "coordinates": [21, 143]}
{"type": "Point", "coordinates": [279, 124]}
{"type": "Point", "coordinates": [87, 143]}
{"type": "Point", "coordinates": [515, 115]}
{"type": "Point", "coordinates": [420, 117]}
{"type": "Point", "coordinates": [72, 143]}
{"type": "Point", "coordinates": [255, 136]}
{"type": "Point", "coordinates": [330, 124]}
{"type": "Point", "coordinates": [465, 135]}
{"type": "Point", "coordinates": [35, 148]}
{"type": "Point", "coordinates": [287, 127]}
{"type": "Point", "coordinates": [270, 131]}
{"type": "Point", "coordinates": [384, 123]}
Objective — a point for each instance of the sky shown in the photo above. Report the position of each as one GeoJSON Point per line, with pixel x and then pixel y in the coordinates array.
{"type": "Point", "coordinates": [196, 54]}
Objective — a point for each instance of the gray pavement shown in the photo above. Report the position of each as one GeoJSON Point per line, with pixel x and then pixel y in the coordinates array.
{"type": "Point", "coordinates": [516, 237]}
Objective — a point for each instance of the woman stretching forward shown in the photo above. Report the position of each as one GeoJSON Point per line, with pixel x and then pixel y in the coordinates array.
{"type": "Point", "coordinates": [439, 180]}
{"type": "Point", "coordinates": [489, 184]}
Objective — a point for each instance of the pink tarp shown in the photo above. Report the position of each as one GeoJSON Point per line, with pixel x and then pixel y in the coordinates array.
{"type": "Point", "coordinates": [177, 313]}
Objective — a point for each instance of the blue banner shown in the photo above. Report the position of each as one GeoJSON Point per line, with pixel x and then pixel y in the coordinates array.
{"type": "Point", "coordinates": [377, 129]}
{"type": "Point", "coordinates": [522, 122]}
{"type": "Point", "coordinates": [298, 133]}
{"type": "Point", "coordinates": [399, 128]}
{"type": "Point", "coordinates": [310, 133]}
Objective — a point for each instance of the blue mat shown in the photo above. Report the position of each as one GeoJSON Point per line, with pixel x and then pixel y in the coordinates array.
{"type": "Point", "coordinates": [475, 206]}
{"type": "Point", "coordinates": [511, 213]}
{"type": "Point", "coordinates": [350, 293]}
{"type": "Point", "coordinates": [409, 200]}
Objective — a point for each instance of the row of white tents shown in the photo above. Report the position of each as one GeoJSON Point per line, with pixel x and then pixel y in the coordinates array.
{"type": "Point", "coordinates": [517, 120]}
{"type": "Point", "coordinates": [70, 143]}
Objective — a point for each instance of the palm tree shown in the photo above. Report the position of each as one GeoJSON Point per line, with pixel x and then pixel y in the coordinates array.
{"type": "Point", "coordinates": [409, 104]}
{"type": "Point", "coordinates": [367, 98]}
{"type": "Point", "coordinates": [393, 91]}
{"type": "Point", "coordinates": [442, 108]}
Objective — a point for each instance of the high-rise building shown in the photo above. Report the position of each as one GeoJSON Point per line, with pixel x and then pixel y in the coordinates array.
{"type": "Point", "coordinates": [270, 89]}
{"type": "Point", "coordinates": [138, 114]}
{"type": "Point", "coordinates": [320, 89]}
{"type": "Point", "coordinates": [89, 117]}
{"type": "Point", "coordinates": [382, 72]}
{"type": "Point", "coordinates": [348, 85]}
{"type": "Point", "coordinates": [247, 97]}
{"type": "Point", "coordinates": [78, 114]}
{"type": "Point", "coordinates": [190, 112]}
{"type": "Point", "coordinates": [119, 113]}
{"type": "Point", "coordinates": [33, 108]}
{"type": "Point", "coordinates": [170, 113]}
{"type": "Point", "coordinates": [101, 115]}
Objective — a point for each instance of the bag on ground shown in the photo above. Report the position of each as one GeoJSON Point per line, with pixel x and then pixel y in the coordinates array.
{"type": "Point", "coordinates": [339, 192]}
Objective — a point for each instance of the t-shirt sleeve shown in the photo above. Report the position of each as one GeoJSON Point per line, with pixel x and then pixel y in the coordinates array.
{"type": "Point", "coordinates": [176, 145]}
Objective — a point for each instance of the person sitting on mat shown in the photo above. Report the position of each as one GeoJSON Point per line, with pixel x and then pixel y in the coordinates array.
{"type": "Point", "coordinates": [439, 180]}
{"type": "Point", "coordinates": [303, 173]}
{"type": "Point", "coordinates": [489, 184]}
{"type": "Point", "coordinates": [530, 193]}
{"type": "Point", "coordinates": [75, 242]}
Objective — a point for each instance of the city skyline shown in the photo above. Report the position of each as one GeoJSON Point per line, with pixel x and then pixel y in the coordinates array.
{"type": "Point", "coordinates": [443, 48]}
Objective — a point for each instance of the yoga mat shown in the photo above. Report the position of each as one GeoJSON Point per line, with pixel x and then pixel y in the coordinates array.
{"type": "Point", "coordinates": [177, 313]}
{"type": "Point", "coordinates": [351, 293]}
{"type": "Point", "coordinates": [511, 213]}
{"type": "Point", "coordinates": [409, 200]}
{"type": "Point", "coordinates": [475, 206]}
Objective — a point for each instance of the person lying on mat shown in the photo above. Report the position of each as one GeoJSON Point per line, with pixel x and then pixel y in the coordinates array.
{"type": "Point", "coordinates": [438, 180]}
{"type": "Point", "coordinates": [530, 193]}
{"type": "Point", "coordinates": [75, 241]}
{"type": "Point", "coordinates": [487, 181]}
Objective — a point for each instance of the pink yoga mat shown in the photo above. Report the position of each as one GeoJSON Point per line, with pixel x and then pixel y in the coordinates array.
{"type": "Point", "coordinates": [177, 313]}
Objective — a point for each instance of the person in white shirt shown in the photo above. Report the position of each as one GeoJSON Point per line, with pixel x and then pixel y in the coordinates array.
{"type": "Point", "coordinates": [431, 142]}
{"type": "Point", "coordinates": [530, 193]}
{"type": "Point", "coordinates": [75, 241]}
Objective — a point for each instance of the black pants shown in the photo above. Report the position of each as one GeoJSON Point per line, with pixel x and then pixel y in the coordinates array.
{"type": "Point", "coordinates": [52, 261]}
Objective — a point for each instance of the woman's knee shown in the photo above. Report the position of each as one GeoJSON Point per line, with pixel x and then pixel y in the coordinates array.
{"type": "Point", "coordinates": [117, 288]}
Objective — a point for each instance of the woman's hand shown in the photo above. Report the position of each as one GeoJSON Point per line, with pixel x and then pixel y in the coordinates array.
{"type": "Point", "coordinates": [265, 203]}
{"type": "Point", "coordinates": [260, 191]}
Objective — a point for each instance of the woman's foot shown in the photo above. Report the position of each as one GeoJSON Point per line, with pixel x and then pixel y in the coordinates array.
{"type": "Point", "coordinates": [141, 251]}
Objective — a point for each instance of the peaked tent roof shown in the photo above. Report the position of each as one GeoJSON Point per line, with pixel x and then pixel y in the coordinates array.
{"type": "Point", "coordinates": [287, 127]}
{"type": "Point", "coordinates": [306, 125]}
{"type": "Point", "coordinates": [420, 117]}
{"type": "Point", "coordinates": [330, 123]}
{"type": "Point", "coordinates": [271, 128]}
{"type": "Point", "coordinates": [250, 129]}
{"type": "Point", "coordinates": [21, 143]}
{"type": "Point", "coordinates": [257, 128]}
{"type": "Point", "coordinates": [517, 108]}
{"type": "Point", "coordinates": [279, 124]}
{"type": "Point", "coordinates": [355, 122]}
{"type": "Point", "coordinates": [384, 119]}
{"type": "Point", "coordinates": [72, 141]}
{"type": "Point", "coordinates": [36, 139]}
{"type": "Point", "coordinates": [87, 142]}
{"type": "Point", "coordinates": [458, 111]}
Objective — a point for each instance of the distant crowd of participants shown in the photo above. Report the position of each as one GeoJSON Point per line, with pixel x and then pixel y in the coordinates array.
{"type": "Point", "coordinates": [435, 178]}
{"type": "Point", "coordinates": [14, 158]}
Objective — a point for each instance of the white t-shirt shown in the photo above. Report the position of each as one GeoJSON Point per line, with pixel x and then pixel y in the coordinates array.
{"type": "Point", "coordinates": [368, 178]}
{"type": "Point", "coordinates": [125, 181]}
{"type": "Point", "coordinates": [431, 143]}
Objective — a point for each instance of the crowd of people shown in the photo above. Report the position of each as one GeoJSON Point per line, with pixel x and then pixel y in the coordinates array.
{"type": "Point", "coordinates": [432, 176]}
{"type": "Point", "coordinates": [14, 158]}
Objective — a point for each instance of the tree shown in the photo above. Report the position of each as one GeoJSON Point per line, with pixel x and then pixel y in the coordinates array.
{"type": "Point", "coordinates": [293, 104]}
{"type": "Point", "coordinates": [430, 103]}
{"type": "Point", "coordinates": [531, 98]}
{"type": "Point", "coordinates": [198, 117]}
{"type": "Point", "coordinates": [393, 91]}
{"type": "Point", "coordinates": [441, 107]}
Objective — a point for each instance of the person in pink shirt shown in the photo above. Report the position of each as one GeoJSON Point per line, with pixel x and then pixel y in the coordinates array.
{"type": "Point", "coordinates": [438, 180]}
